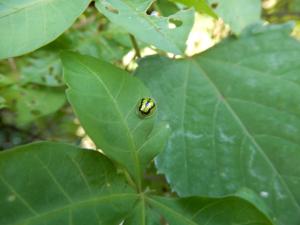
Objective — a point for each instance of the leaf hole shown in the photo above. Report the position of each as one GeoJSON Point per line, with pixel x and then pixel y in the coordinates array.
{"type": "Point", "coordinates": [51, 70]}
{"type": "Point", "coordinates": [214, 5]}
{"type": "Point", "coordinates": [174, 23]}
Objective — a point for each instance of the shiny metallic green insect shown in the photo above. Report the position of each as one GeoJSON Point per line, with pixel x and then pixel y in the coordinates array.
{"type": "Point", "coordinates": [146, 106]}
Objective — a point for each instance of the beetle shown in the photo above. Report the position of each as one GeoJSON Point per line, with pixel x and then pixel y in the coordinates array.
{"type": "Point", "coordinates": [146, 106]}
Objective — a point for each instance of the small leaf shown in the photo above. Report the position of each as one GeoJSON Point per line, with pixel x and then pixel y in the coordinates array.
{"type": "Point", "coordinates": [235, 115]}
{"type": "Point", "coordinates": [106, 99]}
{"type": "Point", "coordinates": [60, 184]}
{"type": "Point", "coordinates": [28, 25]}
{"type": "Point", "coordinates": [200, 5]}
{"type": "Point", "coordinates": [237, 13]}
{"type": "Point", "coordinates": [131, 15]}
{"type": "Point", "coordinates": [30, 103]}
{"type": "Point", "coordinates": [41, 67]}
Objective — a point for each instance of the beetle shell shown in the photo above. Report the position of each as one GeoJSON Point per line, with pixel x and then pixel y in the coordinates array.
{"type": "Point", "coordinates": [147, 106]}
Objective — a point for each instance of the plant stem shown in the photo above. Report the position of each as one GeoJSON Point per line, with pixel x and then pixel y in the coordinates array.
{"type": "Point", "coordinates": [135, 46]}
{"type": "Point", "coordinates": [129, 179]}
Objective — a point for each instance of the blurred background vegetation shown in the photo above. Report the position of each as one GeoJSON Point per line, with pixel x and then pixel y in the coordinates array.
{"type": "Point", "coordinates": [32, 101]}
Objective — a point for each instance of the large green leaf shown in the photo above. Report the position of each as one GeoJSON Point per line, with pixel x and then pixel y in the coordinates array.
{"type": "Point", "coordinates": [106, 99]}
{"type": "Point", "coordinates": [235, 115]}
{"type": "Point", "coordinates": [29, 24]}
{"type": "Point", "coordinates": [131, 15]}
{"type": "Point", "coordinates": [154, 210]}
{"type": "Point", "coordinates": [51, 183]}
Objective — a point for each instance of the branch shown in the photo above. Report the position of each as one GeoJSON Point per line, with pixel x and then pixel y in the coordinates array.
{"type": "Point", "coordinates": [135, 46]}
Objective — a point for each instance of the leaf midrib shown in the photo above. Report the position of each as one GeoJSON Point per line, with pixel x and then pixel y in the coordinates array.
{"type": "Point", "coordinates": [245, 130]}
{"type": "Point", "coordinates": [156, 28]}
{"type": "Point", "coordinates": [133, 145]}
{"type": "Point", "coordinates": [172, 211]}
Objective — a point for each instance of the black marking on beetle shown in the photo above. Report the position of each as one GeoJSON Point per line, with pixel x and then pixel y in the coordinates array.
{"type": "Point", "coordinates": [147, 106]}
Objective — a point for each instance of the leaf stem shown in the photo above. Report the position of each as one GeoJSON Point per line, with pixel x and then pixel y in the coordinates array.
{"type": "Point", "coordinates": [129, 179]}
{"type": "Point", "coordinates": [135, 46]}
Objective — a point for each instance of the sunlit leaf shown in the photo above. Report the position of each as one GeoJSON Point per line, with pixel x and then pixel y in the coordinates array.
{"type": "Point", "coordinates": [166, 33]}
{"type": "Point", "coordinates": [200, 5]}
{"type": "Point", "coordinates": [106, 100]}
{"type": "Point", "coordinates": [29, 24]}
{"type": "Point", "coordinates": [235, 115]}
{"type": "Point", "coordinates": [51, 183]}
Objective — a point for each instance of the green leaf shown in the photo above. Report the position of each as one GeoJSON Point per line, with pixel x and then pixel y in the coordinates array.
{"type": "Point", "coordinates": [30, 103]}
{"type": "Point", "coordinates": [51, 183]}
{"type": "Point", "coordinates": [200, 5]}
{"type": "Point", "coordinates": [106, 99]}
{"type": "Point", "coordinates": [34, 103]}
{"type": "Point", "coordinates": [110, 44]}
{"type": "Point", "coordinates": [294, 6]}
{"type": "Point", "coordinates": [166, 8]}
{"type": "Point", "coordinates": [29, 24]}
{"type": "Point", "coordinates": [5, 80]}
{"type": "Point", "coordinates": [237, 13]}
{"type": "Point", "coordinates": [155, 210]}
{"type": "Point", "coordinates": [2, 102]}
{"type": "Point", "coordinates": [41, 67]}
{"type": "Point", "coordinates": [197, 210]}
{"type": "Point", "coordinates": [131, 15]}
{"type": "Point", "coordinates": [235, 115]}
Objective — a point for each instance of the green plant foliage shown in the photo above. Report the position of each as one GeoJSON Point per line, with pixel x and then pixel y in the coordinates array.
{"type": "Point", "coordinates": [102, 40]}
{"type": "Point", "coordinates": [235, 115]}
{"type": "Point", "coordinates": [61, 184]}
{"type": "Point", "coordinates": [86, 188]}
{"type": "Point", "coordinates": [29, 24]}
{"type": "Point", "coordinates": [116, 128]}
{"type": "Point", "coordinates": [2, 102]}
{"type": "Point", "coordinates": [165, 8]}
{"type": "Point", "coordinates": [295, 6]}
{"type": "Point", "coordinates": [5, 80]}
{"type": "Point", "coordinates": [131, 15]}
{"type": "Point", "coordinates": [237, 13]}
{"type": "Point", "coordinates": [32, 102]}
{"type": "Point", "coordinates": [200, 5]}
{"type": "Point", "coordinates": [41, 67]}
{"type": "Point", "coordinates": [209, 139]}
